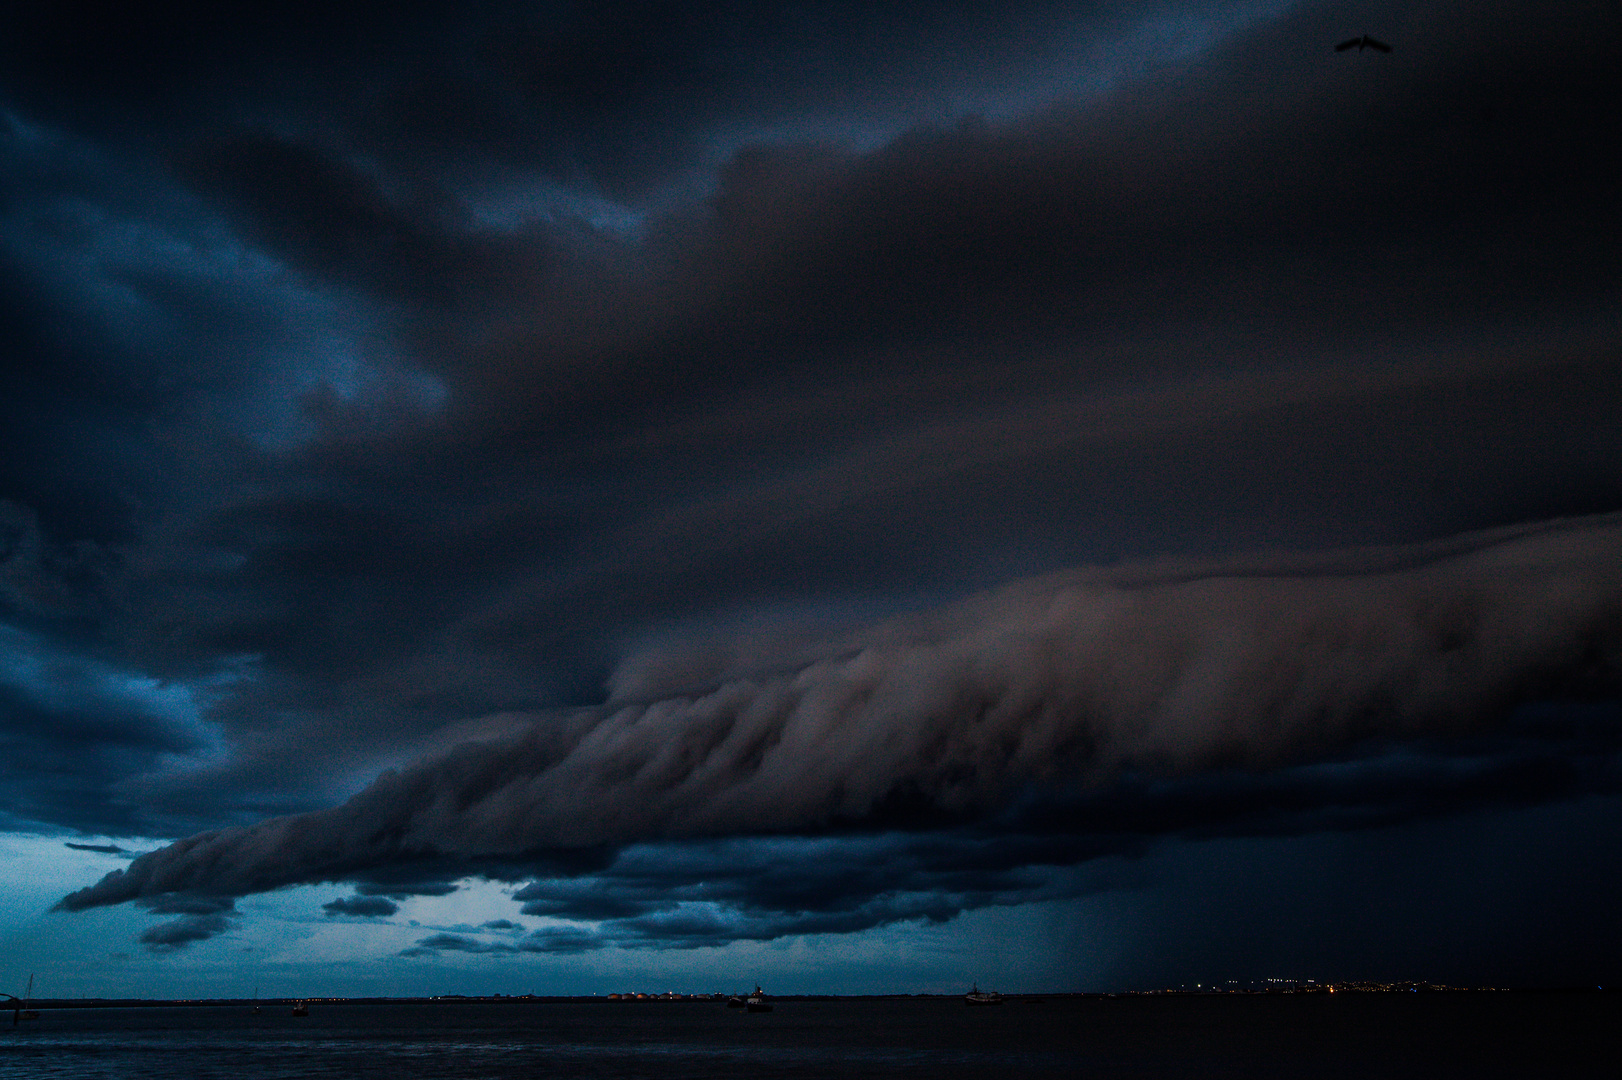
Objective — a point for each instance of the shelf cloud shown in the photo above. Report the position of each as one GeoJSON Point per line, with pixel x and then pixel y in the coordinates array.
{"type": "Point", "coordinates": [731, 472]}
{"type": "Point", "coordinates": [1069, 682]}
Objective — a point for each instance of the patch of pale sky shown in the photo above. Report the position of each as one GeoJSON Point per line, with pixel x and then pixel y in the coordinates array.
{"type": "Point", "coordinates": [70, 956]}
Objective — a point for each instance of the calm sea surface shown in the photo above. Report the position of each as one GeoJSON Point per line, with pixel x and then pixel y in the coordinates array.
{"type": "Point", "coordinates": [1344, 1035]}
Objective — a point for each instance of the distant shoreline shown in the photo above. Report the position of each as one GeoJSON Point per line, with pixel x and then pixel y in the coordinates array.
{"type": "Point", "coordinates": [603, 999]}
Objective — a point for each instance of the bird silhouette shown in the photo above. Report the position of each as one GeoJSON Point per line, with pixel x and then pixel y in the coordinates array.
{"type": "Point", "coordinates": [1363, 42]}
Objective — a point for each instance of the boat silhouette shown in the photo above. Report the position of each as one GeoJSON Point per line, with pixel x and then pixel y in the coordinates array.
{"type": "Point", "coordinates": [977, 996]}
{"type": "Point", "coordinates": [19, 1006]}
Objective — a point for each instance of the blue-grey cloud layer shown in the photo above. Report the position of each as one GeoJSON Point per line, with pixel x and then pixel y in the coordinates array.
{"type": "Point", "coordinates": [381, 386]}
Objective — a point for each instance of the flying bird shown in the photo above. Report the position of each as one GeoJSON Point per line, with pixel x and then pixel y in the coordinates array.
{"type": "Point", "coordinates": [1363, 42]}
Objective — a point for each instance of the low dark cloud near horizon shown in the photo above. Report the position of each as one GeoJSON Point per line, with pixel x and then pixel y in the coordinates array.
{"type": "Point", "coordinates": [370, 907]}
{"type": "Point", "coordinates": [533, 402]}
{"type": "Point", "coordinates": [105, 849]}
{"type": "Point", "coordinates": [1109, 708]}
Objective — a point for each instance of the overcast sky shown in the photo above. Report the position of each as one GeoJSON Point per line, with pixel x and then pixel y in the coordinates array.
{"type": "Point", "coordinates": [860, 497]}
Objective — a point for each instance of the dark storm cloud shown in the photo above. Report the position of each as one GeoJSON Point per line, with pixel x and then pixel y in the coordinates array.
{"type": "Point", "coordinates": [188, 904]}
{"type": "Point", "coordinates": [1064, 682]}
{"type": "Point", "coordinates": [177, 934]}
{"type": "Point", "coordinates": [43, 582]}
{"type": "Point", "coordinates": [586, 899]}
{"type": "Point", "coordinates": [401, 890]}
{"type": "Point", "coordinates": [1061, 845]}
{"type": "Point", "coordinates": [371, 907]}
{"type": "Point", "coordinates": [709, 894]}
{"type": "Point", "coordinates": [73, 726]}
{"type": "Point", "coordinates": [105, 849]}
{"type": "Point", "coordinates": [382, 386]}
{"type": "Point", "coordinates": [619, 94]}
{"type": "Point", "coordinates": [541, 941]}
{"type": "Point", "coordinates": [201, 917]}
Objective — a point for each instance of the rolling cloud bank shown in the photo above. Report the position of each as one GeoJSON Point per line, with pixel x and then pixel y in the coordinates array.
{"type": "Point", "coordinates": [723, 473]}
{"type": "Point", "coordinates": [1066, 686]}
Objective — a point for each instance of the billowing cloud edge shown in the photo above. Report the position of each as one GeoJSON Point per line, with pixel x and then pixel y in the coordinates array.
{"type": "Point", "coordinates": [1072, 682]}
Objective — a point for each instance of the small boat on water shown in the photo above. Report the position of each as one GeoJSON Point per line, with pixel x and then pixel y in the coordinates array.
{"type": "Point", "coordinates": [977, 996]}
{"type": "Point", "coordinates": [301, 1008]}
{"type": "Point", "coordinates": [19, 1006]}
{"type": "Point", "coordinates": [735, 1002]}
{"type": "Point", "coordinates": [28, 996]}
{"type": "Point", "coordinates": [757, 1001]}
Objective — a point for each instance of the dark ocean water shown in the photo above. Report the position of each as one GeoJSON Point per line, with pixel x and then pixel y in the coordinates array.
{"type": "Point", "coordinates": [1344, 1035]}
